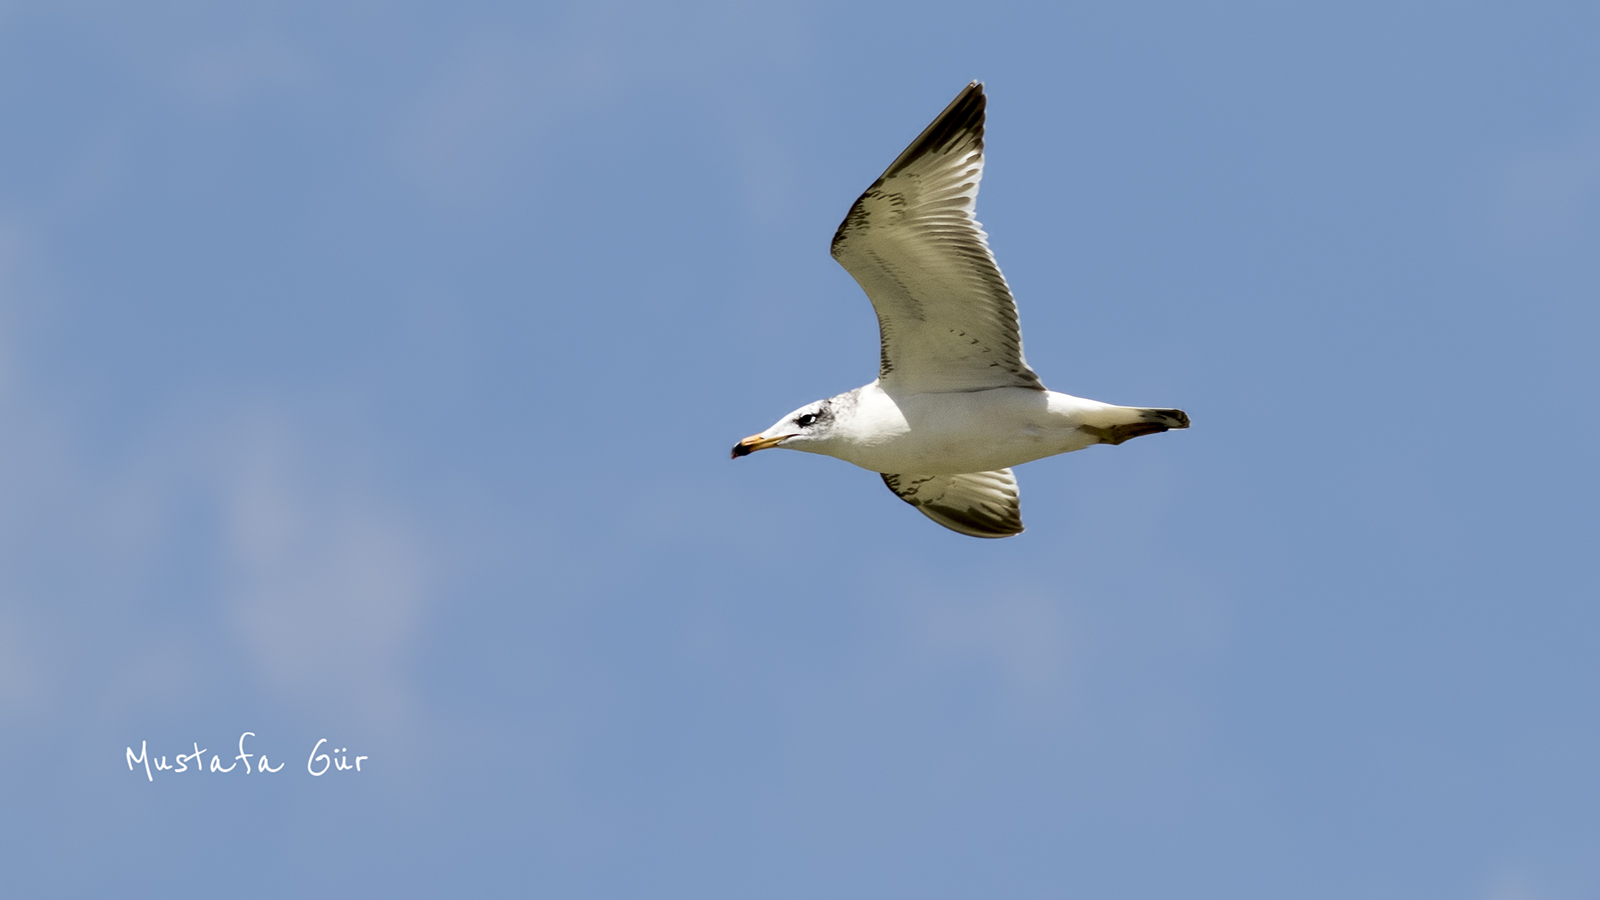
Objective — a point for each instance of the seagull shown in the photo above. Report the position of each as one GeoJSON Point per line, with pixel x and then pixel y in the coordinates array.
{"type": "Point", "coordinates": [955, 405]}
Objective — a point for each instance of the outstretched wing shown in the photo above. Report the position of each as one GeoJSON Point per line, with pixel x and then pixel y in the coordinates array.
{"type": "Point", "coordinates": [980, 504]}
{"type": "Point", "coordinates": [945, 314]}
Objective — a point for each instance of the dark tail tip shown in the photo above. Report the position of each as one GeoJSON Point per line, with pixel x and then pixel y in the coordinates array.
{"type": "Point", "coordinates": [1151, 421]}
{"type": "Point", "coordinates": [1170, 418]}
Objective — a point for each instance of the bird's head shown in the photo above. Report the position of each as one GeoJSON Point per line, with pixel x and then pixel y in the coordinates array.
{"type": "Point", "coordinates": [809, 428]}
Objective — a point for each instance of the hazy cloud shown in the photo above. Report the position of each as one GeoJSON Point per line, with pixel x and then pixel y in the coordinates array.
{"type": "Point", "coordinates": [325, 581]}
{"type": "Point", "coordinates": [319, 575]}
{"type": "Point", "coordinates": [1550, 194]}
{"type": "Point", "coordinates": [490, 106]}
{"type": "Point", "coordinates": [1018, 636]}
{"type": "Point", "coordinates": [479, 122]}
{"type": "Point", "coordinates": [224, 73]}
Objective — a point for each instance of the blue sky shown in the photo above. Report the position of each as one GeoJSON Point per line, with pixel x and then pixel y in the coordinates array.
{"type": "Point", "coordinates": [368, 371]}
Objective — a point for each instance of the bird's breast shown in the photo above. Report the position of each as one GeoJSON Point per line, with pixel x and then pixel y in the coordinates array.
{"type": "Point", "coordinates": [945, 434]}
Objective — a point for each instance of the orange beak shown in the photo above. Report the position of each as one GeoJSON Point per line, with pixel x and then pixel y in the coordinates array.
{"type": "Point", "coordinates": [756, 442]}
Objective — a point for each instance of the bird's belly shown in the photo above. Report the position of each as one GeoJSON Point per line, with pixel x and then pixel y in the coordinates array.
{"type": "Point", "coordinates": [945, 452]}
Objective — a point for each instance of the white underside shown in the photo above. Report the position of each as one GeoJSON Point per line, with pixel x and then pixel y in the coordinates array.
{"type": "Point", "coordinates": [953, 433]}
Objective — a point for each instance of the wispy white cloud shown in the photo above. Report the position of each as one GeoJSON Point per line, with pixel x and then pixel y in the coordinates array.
{"type": "Point", "coordinates": [17, 249]}
{"type": "Point", "coordinates": [30, 476]}
{"type": "Point", "coordinates": [19, 668]}
{"type": "Point", "coordinates": [1012, 651]}
{"type": "Point", "coordinates": [1021, 637]}
{"type": "Point", "coordinates": [325, 581]}
{"type": "Point", "coordinates": [489, 107]}
{"type": "Point", "coordinates": [314, 580]}
{"type": "Point", "coordinates": [1550, 193]}
{"type": "Point", "coordinates": [1510, 889]}
{"type": "Point", "coordinates": [316, 583]}
{"type": "Point", "coordinates": [223, 73]}
{"type": "Point", "coordinates": [213, 56]}
{"type": "Point", "coordinates": [480, 120]}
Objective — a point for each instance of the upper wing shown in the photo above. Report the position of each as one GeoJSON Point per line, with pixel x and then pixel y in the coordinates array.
{"type": "Point", "coordinates": [945, 314]}
{"type": "Point", "coordinates": [980, 504]}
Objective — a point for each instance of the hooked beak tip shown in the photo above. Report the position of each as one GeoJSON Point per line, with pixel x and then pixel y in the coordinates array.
{"type": "Point", "coordinates": [756, 442]}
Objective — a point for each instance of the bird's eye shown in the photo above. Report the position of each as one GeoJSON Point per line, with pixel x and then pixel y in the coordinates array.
{"type": "Point", "coordinates": [807, 420]}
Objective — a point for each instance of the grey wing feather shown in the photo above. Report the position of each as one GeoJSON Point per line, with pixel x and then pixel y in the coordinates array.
{"type": "Point", "coordinates": [980, 504]}
{"type": "Point", "coordinates": [946, 317]}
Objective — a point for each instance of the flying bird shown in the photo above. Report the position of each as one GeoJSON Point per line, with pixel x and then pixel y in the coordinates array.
{"type": "Point", "coordinates": [955, 405]}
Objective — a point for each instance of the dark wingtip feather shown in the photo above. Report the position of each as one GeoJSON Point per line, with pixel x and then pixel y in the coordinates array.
{"type": "Point", "coordinates": [963, 116]}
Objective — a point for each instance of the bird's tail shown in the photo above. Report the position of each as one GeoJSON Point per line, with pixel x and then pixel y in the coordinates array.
{"type": "Point", "coordinates": [1115, 424]}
